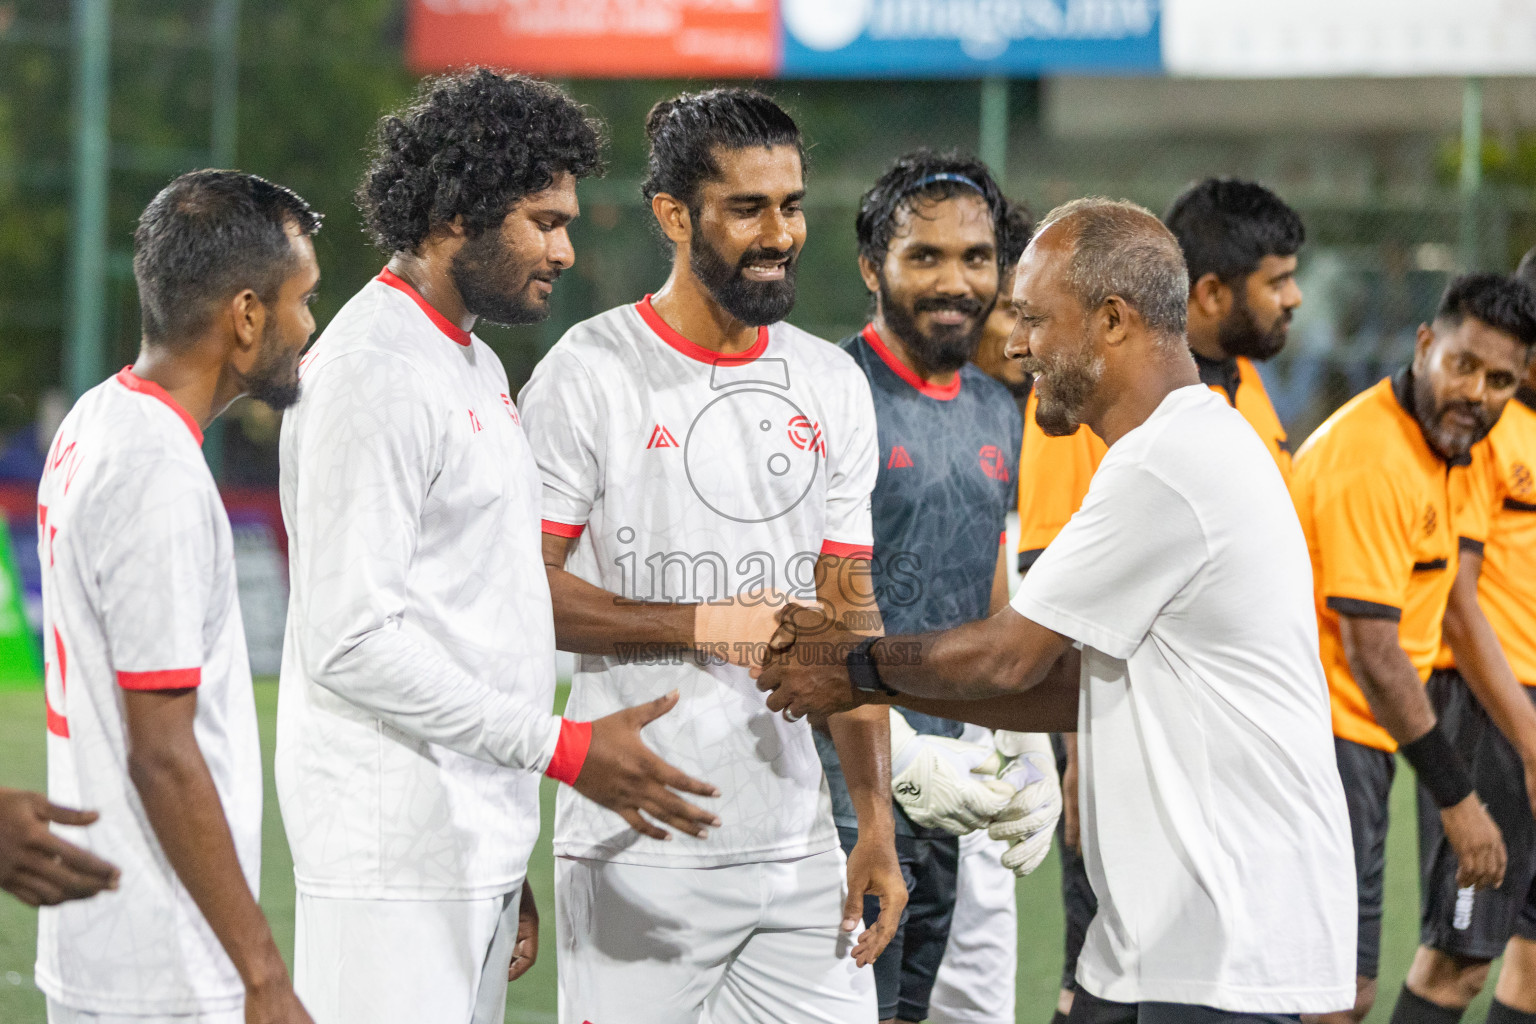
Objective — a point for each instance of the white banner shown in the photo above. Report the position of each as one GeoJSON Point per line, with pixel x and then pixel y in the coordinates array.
{"type": "Point", "coordinates": [1341, 38]}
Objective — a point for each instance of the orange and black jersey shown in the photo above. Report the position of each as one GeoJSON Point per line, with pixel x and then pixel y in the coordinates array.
{"type": "Point", "coordinates": [1504, 468]}
{"type": "Point", "coordinates": [1054, 472]}
{"type": "Point", "coordinates": [1382, 514]}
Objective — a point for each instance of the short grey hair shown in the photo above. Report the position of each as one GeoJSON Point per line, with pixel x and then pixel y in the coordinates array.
{"type": "Point", "coordinates": [1120, 248]}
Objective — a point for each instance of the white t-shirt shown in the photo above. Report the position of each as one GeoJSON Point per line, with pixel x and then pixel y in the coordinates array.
{"type": "Point", "coordinates": [418, 666]}
{"type": "Point", "coordinates": [139, 593]}
{"type": "Point", "coordinates": [686, 477]}
{"type": "Point", "coordinates": [1213, 821]}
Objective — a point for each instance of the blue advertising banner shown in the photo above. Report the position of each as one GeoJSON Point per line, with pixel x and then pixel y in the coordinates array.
{"type": "Point", "coordinates": [968, 38]}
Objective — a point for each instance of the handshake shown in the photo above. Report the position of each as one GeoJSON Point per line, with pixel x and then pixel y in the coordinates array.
{"type": "Point", "coordinates": [1009, 788]}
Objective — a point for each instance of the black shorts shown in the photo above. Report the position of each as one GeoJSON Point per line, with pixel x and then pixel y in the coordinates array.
{"type": "Point", "coordinates": [1367, 776]}
{"type": "Point", "coordinates": [1078, 902]}
{"type": "Point", "coordinates": [1090, 1009]}
{"type": "Point", "coordinates": [1476, 923]}
{"type": "Point", "coordinates": [904, 973]}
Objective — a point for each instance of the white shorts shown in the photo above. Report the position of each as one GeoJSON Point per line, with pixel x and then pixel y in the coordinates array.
{"type": "Point", "coordinates": [976, 983]}
{"type": "Point", "coordinates": [740, 944]}
{"type": "Point", "coordinates": [404, 961]}
{"type": "Point", "coordinates": [58, 1013]}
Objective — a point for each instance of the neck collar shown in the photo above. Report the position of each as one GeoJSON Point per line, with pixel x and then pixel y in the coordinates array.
{"type": "Point", "coordinates": [693, 350]}
{"type": "Point", "coordinates": [942, 392]}
{"type": "Point", "coordinates": [1219, 373]}
{"type": "Point", "coordinates": [133, 382]}
{"type": "Point", "coordinates": [448, 327]}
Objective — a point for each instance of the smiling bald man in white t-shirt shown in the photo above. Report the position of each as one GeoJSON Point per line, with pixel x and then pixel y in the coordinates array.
{"type": "Point", "coordinates": [1213, 820]}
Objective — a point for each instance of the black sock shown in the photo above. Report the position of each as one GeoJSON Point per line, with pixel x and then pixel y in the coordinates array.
{"type": "Point", "coordinates": [1415, 1009]}
{"type": "Point", "coordinates": [1058, 1018]}
{"type": "Point", "coordinates": [1498, 1013]}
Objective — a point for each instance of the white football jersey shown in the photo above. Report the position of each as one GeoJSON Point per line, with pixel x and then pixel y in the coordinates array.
{"type": "Point", "coordinates": [414, 712]}
{"type": "Point", "coordinates": [139, 593]}
{"type": "Point", "coordinates": [688, 476]}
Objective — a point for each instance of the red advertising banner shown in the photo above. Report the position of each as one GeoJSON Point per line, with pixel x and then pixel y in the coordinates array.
{"type": "Point", "coordinates": [597, 38]}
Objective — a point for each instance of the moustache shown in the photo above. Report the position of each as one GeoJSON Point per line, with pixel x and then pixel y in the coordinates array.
{"type": "Point", "coordinates": [1031, 366]}
{"type": "Point", "coordinates": [547, 276]}
{"type": "Point", "coordinates": [968, 307]}
{"type": "Point", "coordinates": [1477, 412]}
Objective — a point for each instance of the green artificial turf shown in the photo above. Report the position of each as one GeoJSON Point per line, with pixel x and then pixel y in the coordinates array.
{"type": "Point", "coordinates": [532, 999]}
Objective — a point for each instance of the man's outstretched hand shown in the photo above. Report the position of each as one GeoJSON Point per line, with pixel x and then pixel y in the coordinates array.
{"type": "Point", "coordinates": [806, 671]}
{"type": "Point", "coordinates": [36, 866]}
{"type": "Point", "coordinates": [625, 776]}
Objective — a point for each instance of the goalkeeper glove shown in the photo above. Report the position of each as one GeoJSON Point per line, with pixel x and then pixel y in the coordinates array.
{"type": "Point", "coordinates": [1026, 762]}
{"type": "Point", "coordinates": [933, 779]}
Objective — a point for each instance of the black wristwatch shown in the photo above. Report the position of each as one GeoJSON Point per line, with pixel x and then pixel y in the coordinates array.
{"type": "Point", "coordinates": [862, 670]}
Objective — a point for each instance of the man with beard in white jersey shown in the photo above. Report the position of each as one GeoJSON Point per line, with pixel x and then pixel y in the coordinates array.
{"type": "Point", "coordinates": [151, 718]}
{"type": "Point", "coordinates": [702, 459]}
{"type": "Point", "coordinates": [418, 667]}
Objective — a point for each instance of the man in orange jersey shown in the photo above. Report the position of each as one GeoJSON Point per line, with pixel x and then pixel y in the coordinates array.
{"type": "Point", "coordinates": [1240, 244]}
{"type": "Point", "coordinates": [1385, 494]}
{"type": "Point", "coordinates": [1463, 930]}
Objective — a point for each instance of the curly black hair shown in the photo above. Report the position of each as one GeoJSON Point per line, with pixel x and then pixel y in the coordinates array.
{"type": "Point", "coordinates": [684, 131]}
{"type": "Point", "coordinates": [1503, 303]}
{"type": "Point", "coordinates": [471, 145]}
{"type": "Point", "coordinates": [1227, 226]}
{"type": "Point", "coordinates": [934, 177]}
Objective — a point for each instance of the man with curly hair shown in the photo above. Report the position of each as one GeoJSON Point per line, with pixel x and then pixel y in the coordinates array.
{"type": "Point", "coordinates": [418, 667]}
{"type": "Point", "coordinates": [700, 457]}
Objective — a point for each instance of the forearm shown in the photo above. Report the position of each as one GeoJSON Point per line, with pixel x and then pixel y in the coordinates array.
{"type": "Point", "coordinates": [591, 620]}
{"type": "Point", "coordinates": [1391, 685]}
{"type": "Point", "coordinates": [1481, 662]}
{"type": "Point", "coordinates": [863, 741]}
{"type": "Point", "coordinates": [183, 807]}
{"type": "Point", "coordinates": [1048, 707]}
{"type": "Point", "coordinates": [418, 689]}
{"type": "Point", "coordinates": [1003, 654]}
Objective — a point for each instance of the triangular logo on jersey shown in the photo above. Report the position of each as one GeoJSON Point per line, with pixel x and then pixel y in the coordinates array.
{"type": "Point", "coordinates": [661, 437]}
{"type": "Point", "coordinates": [899, 458]}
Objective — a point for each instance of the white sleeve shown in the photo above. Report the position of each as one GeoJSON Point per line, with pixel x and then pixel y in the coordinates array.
{"type": "Point", "coordinates": [853, 462]}
{"type": "Point", "coordinates": [156, 576]}
{"type": "Point", "coordinates": [1134, 544]}
{"type": "Point", "coordinates": [559, 408]}
{"type": "Point", "coordinates": [370, 449]}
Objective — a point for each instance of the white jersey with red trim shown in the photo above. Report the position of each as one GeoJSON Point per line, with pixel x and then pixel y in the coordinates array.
{"type": "Point", "coordinates": [414, 709]}
{"type": "Point", "coordinates": [139, 593]}
{"type": "Point", "coordinates": [687, 476]}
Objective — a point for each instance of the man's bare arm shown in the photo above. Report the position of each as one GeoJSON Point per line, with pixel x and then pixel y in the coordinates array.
{"type": "Point", "coordinates": [1002, 654]}
{"type": "Point", "coordinates": [862, 737]}
{"type": "Point", "coordinates": [999, 599]}
{"type": "Point", "coordinates": [1481, 661]}
{"type": "Point", "coordinates": [182, 804]}
{"type": "Point", "coordinates": [1049, 707]}
{"type": "Point", "coordinates": [1398, 701]}
{"type": "Point", "coordinates": [591, 620]}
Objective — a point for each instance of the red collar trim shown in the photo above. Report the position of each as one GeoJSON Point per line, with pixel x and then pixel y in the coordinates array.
{"type": "Point", "coordinates": [448, 327]}
{"type": "Point", "coordinates": [128, 379]}
{"type": "Point", "coordinates": [943, 392]}
{"type": "Point", "coordinates": [665, 332]}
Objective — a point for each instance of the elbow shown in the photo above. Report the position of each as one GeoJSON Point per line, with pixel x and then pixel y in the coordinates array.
{"type": "Point", "coordinates": [158, 768]}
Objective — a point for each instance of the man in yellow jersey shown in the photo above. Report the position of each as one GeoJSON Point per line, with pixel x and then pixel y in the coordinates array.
{"type": "Point", "coordinates": [1240, 244]}
{"type": "Point", "coordinates": [1383, 495]}
{"type": "Point", "coordinates": [1463, 930]}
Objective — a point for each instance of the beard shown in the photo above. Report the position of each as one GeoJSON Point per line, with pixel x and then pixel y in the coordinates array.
{"type": "Point", "coordinates": [484, 271]}
{"type": "Point", "coordinates": [754, 303]}
{"type": "Point", "coordinates": [943, 347]}
{"type": "Point", "coordinates": [275, 377]}
{"type": "Point", "coordinates": [1240, 334]}
{"type": "Point", "coordinates": [1450, 442]}
{"type": "Point", "coordinates": [1065, 384]}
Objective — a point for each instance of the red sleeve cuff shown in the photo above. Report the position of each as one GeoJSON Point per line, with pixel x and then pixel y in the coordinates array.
{"type": "Point", "coordinates": [561, 529]}
{"type": "Point", "coordinates": [164, 679]}
{"type": "Point", "coordinates": [841, 550]}
{"type": "Point", "coordinates": [570, 751]}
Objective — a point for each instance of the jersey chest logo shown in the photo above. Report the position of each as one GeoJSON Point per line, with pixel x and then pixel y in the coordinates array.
{"type": "Point", "coordinates": [899, 458]}
{"type": "Point", "coordinates": [661, 437]}
{"type": "Point", "coordinates": [1519, 479]}
{"type": "Point", "coordinates": [1431, 519]}
{"type": "Point", "coordinates": [993, 462]}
